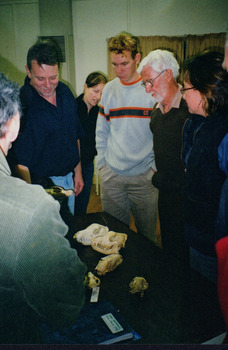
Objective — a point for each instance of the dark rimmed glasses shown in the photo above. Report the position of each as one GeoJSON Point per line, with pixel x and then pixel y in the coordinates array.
{"type": "Point", "coordinates": [150, 82]}
{"type": "Point", "coordinates": [182, 90]}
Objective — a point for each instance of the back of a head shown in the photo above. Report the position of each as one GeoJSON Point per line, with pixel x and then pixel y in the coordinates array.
{"type": "Point", "coordinates": [44, 52]}
{"type": "Point", "coordinates": [202, 70]}
{"type": "Point", "coordinates": [96, 78]}
{"type": "Point", "coordinates": [125, 42]}
{"type": "Point", "coordinates": [205, 73]}
{"type": "Point", "coordinates": [160, 60]}
{"type": "Point", "coordinates": [9, 102]}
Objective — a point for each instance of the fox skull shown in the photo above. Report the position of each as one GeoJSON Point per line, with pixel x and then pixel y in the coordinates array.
{"type": "Point", "coordinates": [110, 243]}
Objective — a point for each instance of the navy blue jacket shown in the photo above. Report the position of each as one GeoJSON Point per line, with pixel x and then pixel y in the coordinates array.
{"type": "Point", "coordinates": [204, 179]}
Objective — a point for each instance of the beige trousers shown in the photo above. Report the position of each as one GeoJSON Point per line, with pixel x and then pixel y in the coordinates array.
{"type": "Point", "coordinates": [121, 195]}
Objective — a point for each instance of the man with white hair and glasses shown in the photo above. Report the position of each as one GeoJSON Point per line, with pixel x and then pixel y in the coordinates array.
{"type": "Point", "coordinates": [159, 71]}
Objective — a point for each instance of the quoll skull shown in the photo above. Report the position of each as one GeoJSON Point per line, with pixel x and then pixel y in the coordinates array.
{"type": "Point", "coordinates": [92, 281]}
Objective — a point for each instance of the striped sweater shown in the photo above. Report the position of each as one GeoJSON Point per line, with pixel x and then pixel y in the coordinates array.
{"type": "Point", "coordinates": [123, 138]}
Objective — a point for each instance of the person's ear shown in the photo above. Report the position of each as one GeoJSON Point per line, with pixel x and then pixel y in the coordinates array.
{"type": "Point", "coordinates": [137, 58]}
{"type": "Point", "coordinates": [169, 74]}
{"type": "Point", "coordinates": [13, 126]}
{"type": "Point", "coordinates": [85, 87]}
{"type": "Point", "coordinates": [28, 71]}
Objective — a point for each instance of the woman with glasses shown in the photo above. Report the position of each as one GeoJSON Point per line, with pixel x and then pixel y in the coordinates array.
{"type": "Point", "coordinates": [205, 144]}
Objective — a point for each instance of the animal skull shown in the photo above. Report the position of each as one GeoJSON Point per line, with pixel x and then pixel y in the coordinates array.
{"type": "Point", "coordinates": [111, 243]}
{"type": "Point", "coordinates": [59, 192]}
{"type": "Point", "coordinates": [108, 263]}
{"type": "Point", "coordinates": [92, 281]}
{"type": "Point", "coordinates": [138, 285]}
{"type": "Point", "coordinates": [85, 236]}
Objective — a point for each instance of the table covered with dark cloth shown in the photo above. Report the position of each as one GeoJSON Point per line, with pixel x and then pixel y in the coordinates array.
{"type": "Point", "coordinates": [179, 307]}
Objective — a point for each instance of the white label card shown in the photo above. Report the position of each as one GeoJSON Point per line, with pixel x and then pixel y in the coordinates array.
{"type": "Point", "coordinates": [112, 323]}
{"type": "Point", "coordinates": [95, 294]}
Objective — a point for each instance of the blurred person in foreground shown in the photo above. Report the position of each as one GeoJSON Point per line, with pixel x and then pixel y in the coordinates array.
{"type": "Point", "coordinates": [125, 156]}
{"type": "Point", "coordinates": [205, 157]}
{"type": "Point", "coordinates": [159, 71]}
{"type": "Point", "coordinates": [41, 276]}
{"type": "Point", "coordinates": [87, 112]}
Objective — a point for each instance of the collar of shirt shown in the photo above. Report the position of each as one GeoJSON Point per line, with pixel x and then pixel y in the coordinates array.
{"type": "Point", "coordinates": [176, 100]}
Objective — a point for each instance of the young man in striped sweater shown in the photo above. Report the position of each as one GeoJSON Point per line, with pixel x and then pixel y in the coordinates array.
{"type": "Point", "coordinates": [124, 142]}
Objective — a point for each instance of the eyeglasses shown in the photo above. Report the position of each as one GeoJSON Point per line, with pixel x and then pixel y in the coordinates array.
{"type": "Point", "coordinates": [150, 82]}
{"type": "Point", "coordinates": [182, 90]}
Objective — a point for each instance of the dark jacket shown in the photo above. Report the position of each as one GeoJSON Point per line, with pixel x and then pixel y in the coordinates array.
{"type": "Point", "coordinates": [47, 142]}
{"type": "Point", "coordinates": [88, 122]}
{"type": "Point", "coordinates": [204, 179]}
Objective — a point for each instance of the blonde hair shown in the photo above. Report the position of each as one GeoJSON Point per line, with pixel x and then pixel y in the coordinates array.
{"type": "Point", "coordinates": [125, 41]}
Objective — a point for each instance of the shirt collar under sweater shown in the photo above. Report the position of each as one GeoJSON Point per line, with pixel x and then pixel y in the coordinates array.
{"type": "Point", "coordinates": [176, 100]}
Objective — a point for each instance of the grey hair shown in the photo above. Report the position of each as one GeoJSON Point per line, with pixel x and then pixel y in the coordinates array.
{"type": "Point", "coordinates": [9, 102]}
{"type": "Point", "coordinates": [160, 60]}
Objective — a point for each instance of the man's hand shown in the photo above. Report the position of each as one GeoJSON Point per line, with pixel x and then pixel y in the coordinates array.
{"type": "Point", "coordinates": [78, 180]}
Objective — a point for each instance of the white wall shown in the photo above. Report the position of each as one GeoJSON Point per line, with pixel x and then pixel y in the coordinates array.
{"type": "Point", "coordinates": [22, 22]}
{"type": "Point", "coordinates": [56, 20]}
{"type": "Point", "coordinates": [19, 26]}
{"type": "Point", "coordinates": [93, 22]}
{"type": "Point", "coordinates": [96, 20]}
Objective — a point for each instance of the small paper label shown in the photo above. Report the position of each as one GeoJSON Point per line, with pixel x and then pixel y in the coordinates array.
{"type": "Point", "coordinates": [95, 294]}
{"type": "Point", "coordinates": [112, 323]}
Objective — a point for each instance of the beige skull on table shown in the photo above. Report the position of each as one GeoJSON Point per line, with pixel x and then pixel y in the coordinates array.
{"type": "Point", "coordinates": [85, 236]}
{"type": "Point", "coordinates": [92, 281]}
{"type": "Point", "coordinates": [59, 192]}
{"type": "Point", "coordinates": [111, 243]}
{"type": "Point", "coordinates": [138, 285]}
{"type": "Point", "coordinates": [108, 263]}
